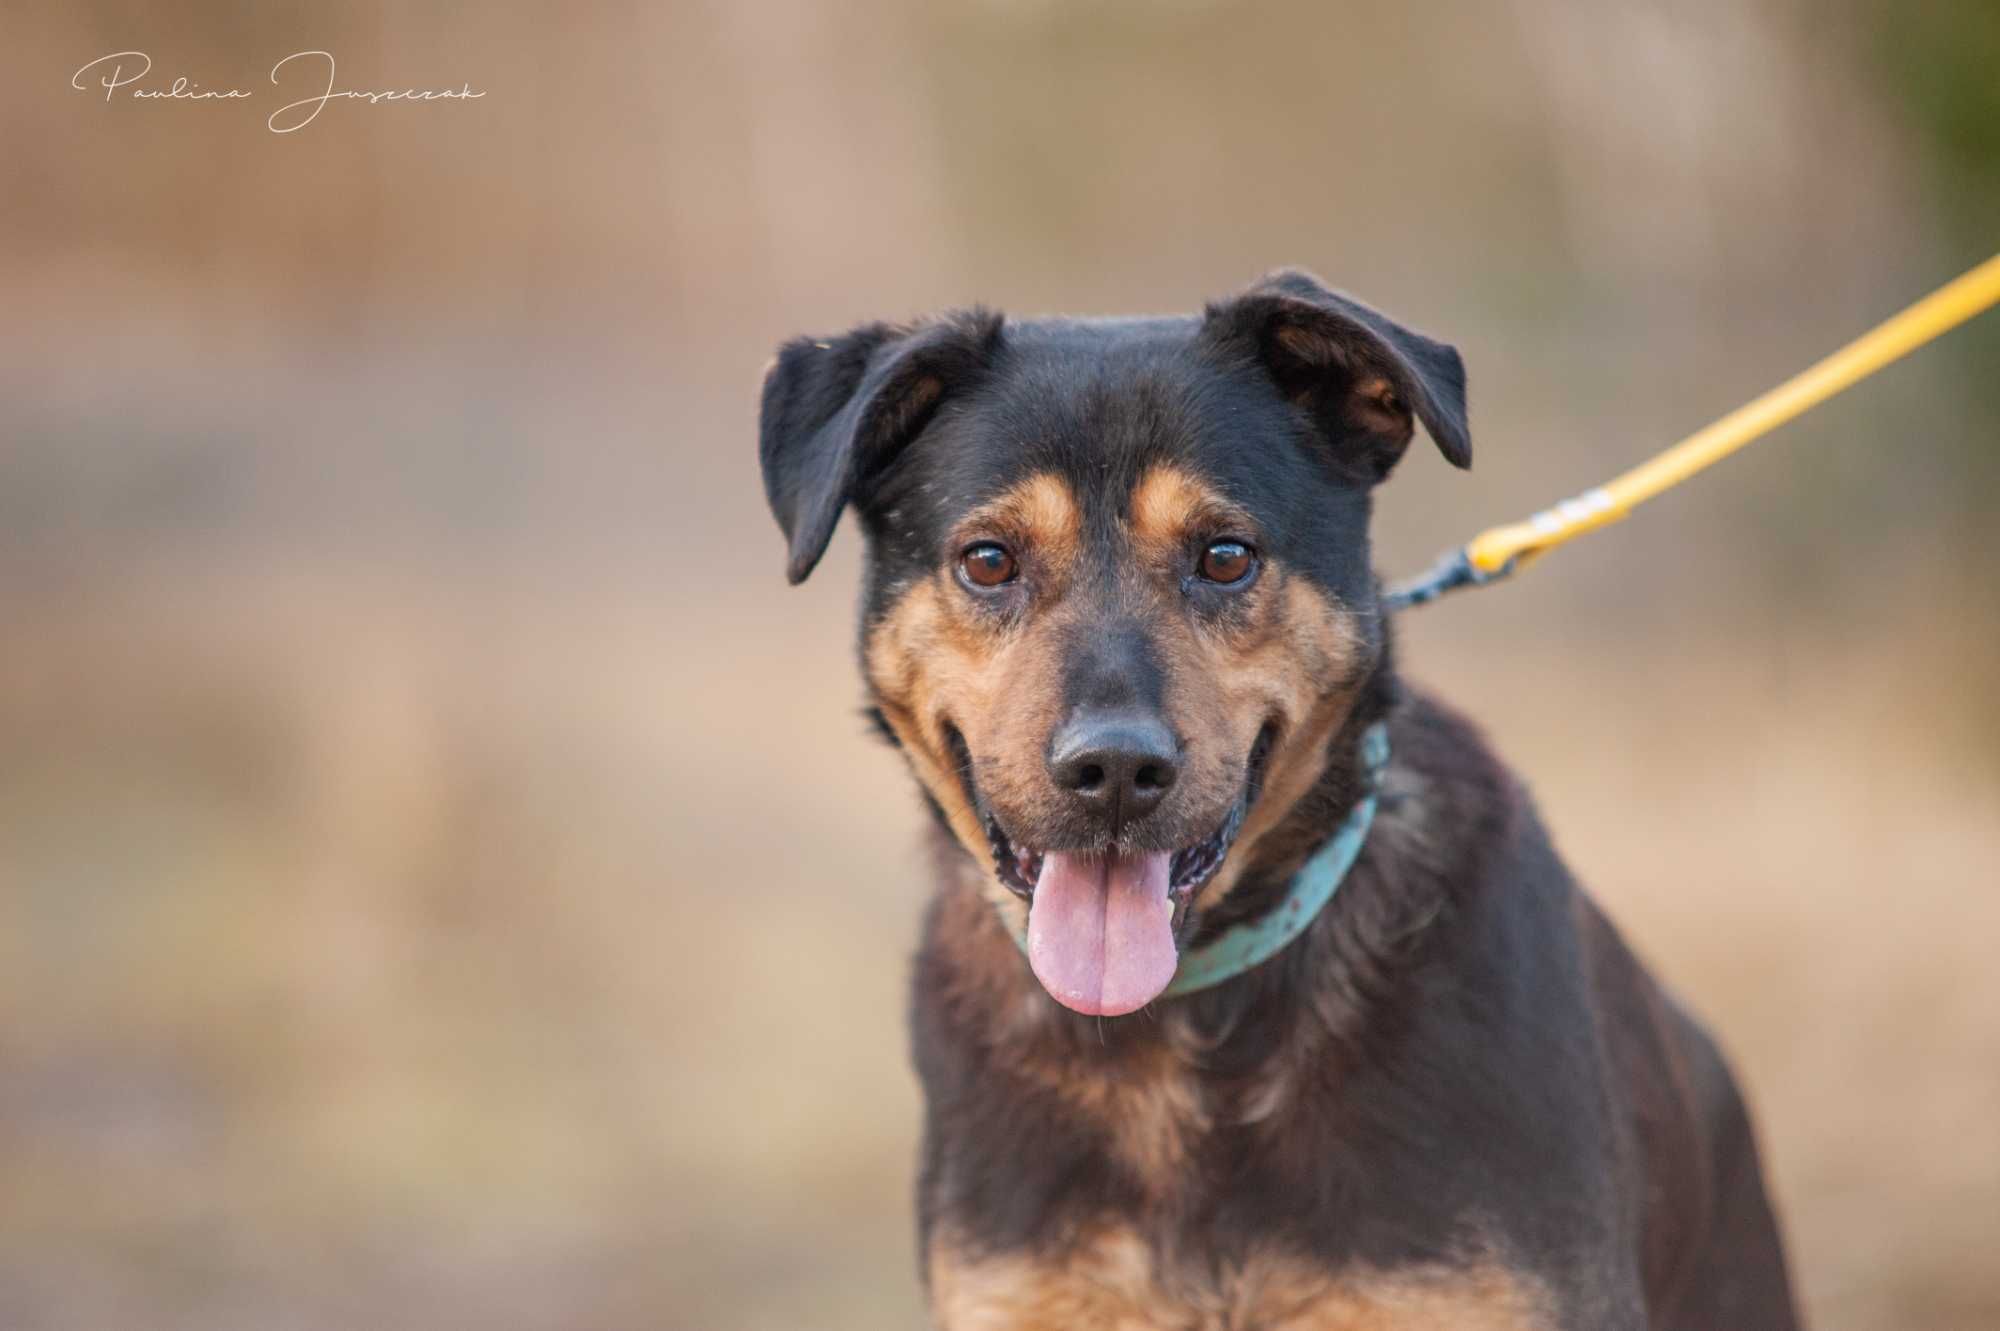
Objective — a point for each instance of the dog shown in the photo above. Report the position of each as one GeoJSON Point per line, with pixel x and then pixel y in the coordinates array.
{"type": "Point", "coordinates": [1252, 993]}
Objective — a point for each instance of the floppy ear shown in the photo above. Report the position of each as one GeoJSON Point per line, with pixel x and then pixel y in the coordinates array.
{"type": "Point", "coordinates": [1358, 374]}
{"type": "Point", "coordinates": [836, 411]}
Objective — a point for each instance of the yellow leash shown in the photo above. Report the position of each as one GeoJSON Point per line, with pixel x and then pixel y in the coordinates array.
{"type": "Point", "coordinates": [1498, 551]}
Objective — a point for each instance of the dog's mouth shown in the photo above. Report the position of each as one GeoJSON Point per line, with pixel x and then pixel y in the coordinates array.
{"type": "Point", "coordinates": [1103, 924]}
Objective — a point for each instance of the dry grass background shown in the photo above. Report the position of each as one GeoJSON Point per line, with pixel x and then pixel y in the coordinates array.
{"type": "Point", "coordinates": [444, 880]}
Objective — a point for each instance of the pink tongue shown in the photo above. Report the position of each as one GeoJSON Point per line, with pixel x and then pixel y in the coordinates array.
{"type": "Point", "coordinates": [1100, 931]}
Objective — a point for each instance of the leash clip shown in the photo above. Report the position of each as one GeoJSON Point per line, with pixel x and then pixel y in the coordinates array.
{"type": "Point", "coordinates": [1452, 571]}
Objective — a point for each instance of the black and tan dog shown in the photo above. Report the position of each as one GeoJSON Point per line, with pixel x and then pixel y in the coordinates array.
{"type": "Point", "coordinates": [1121, 620]}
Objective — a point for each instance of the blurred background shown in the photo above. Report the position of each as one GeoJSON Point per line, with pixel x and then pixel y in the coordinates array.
{"type": "Point", "coordinates": [444, 879]}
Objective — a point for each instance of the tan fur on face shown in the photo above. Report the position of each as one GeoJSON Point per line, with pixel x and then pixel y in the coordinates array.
{"type": "Point", "coordinates": [1041, 513]}
{"type": "Point", "coordinates": [1292, 655]}
{"type": "Point", "coordinates": [1311, 669]}
{"type": "Point", "coordinates": [1170, 508]}
{"type": "Point", "coordinates": [1112, 1279]}
{"type": "Point", "coordinates": [935, 658]}
{"type": "Point", "coordinates": [1288, 654]}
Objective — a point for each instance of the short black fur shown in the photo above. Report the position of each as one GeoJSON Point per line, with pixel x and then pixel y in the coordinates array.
{"type": "Point", "coordinates": [1458, 1061]}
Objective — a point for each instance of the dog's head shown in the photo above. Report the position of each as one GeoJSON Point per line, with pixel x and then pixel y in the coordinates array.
{"type": "Point", "coordinates": [1119, 598]}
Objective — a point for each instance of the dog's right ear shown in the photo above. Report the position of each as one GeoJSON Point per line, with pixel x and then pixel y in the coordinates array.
{"type": "Point", "coordinates": [836, 411]}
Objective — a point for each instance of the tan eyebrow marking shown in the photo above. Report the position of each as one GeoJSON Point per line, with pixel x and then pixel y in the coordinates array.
{"type": "Point", "coordinates": [1041, 512]}
{"type": "Point", "coordinates": [1169, 503]}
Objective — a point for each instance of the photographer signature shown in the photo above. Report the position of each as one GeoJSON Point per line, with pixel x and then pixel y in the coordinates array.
{"type": "Point", "coordinates": [313, 69]}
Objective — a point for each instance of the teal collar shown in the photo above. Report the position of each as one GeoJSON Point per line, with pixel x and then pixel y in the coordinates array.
{"type": "Point", "coordinates": [1256, 941]}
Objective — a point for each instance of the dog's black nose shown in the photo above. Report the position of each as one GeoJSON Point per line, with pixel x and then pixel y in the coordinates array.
{"type": "Point", "coordinates": [1118, 764]}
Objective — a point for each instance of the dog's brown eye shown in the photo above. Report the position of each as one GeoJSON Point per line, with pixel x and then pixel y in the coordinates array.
{"type": "Point", "coordinates": [987, 565]}
{"type": "Point", "coordinates": [1226, 561]}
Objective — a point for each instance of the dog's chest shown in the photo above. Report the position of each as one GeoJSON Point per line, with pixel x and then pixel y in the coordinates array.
{"type": "Point", "coordinates": [1171, 1136]}
{"type": "Point", "coordinates": [1112, 1279]}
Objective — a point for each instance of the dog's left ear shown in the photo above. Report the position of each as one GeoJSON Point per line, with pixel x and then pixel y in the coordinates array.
{"type": "Point", "coordinates": [1363, 378]}
{"type": "Point", "coordinates": [836, 411]}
